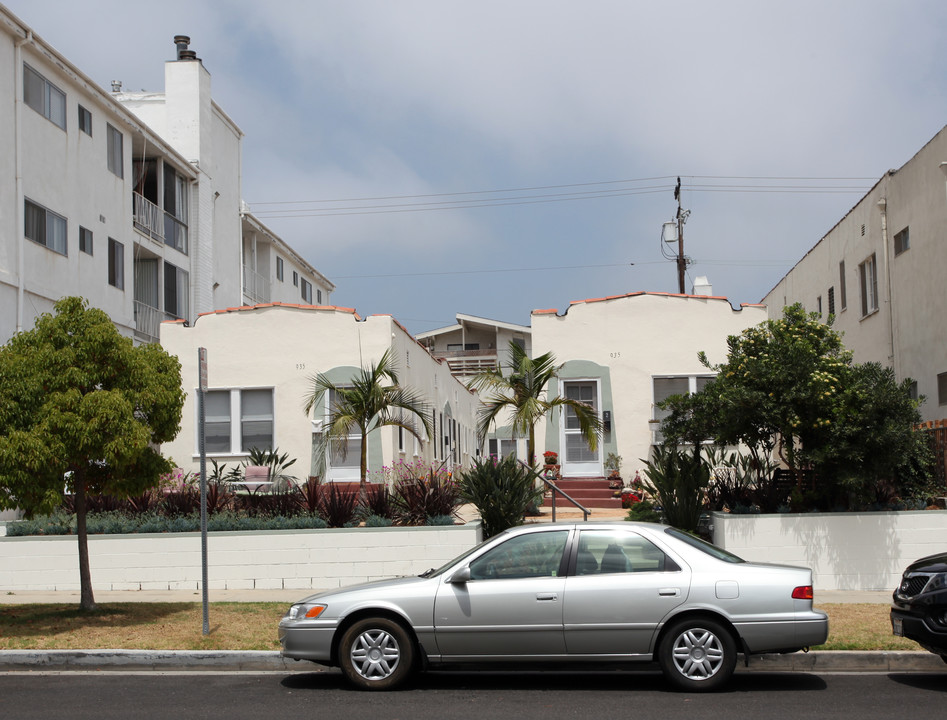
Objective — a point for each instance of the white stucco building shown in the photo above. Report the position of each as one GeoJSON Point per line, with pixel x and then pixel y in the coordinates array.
{"type": "Point", "coordinates": [880, 271]}
{"type": "Point", "coordinates": [261, 364]}
{"type": "Point", "coordinates": [131, 200]}
{"type": "Point", "coordinates": [623, 355]}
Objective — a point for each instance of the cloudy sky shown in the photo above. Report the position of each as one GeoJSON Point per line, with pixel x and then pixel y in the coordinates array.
{"type": "Point", "coordinates": [492, 157]}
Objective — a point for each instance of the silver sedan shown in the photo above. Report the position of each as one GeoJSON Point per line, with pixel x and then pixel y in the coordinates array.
{"type": "Point", "coordinates": [564, 593]}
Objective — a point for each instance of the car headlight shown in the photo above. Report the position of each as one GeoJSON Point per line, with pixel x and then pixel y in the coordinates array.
{"type": "Point", "coordinates": [937, 582]}
{"type": "Point", "coordinates": [304, 611]}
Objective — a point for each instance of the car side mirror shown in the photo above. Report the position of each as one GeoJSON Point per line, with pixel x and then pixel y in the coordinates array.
{"type": "Point", "coordinates": [461, 576]}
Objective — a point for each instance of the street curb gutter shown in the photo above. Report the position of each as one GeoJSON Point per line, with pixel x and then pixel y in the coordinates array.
{"type": "Point", "coordinates": [272, 661]}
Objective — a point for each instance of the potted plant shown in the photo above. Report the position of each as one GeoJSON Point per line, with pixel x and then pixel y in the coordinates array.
{"type": "Point", "coordinates": [550, 457]}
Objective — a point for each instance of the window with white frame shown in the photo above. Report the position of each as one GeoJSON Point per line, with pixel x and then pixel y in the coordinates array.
{"type": "Point", "coordinates": [501, 447]}
{"type": "Point", "coordinates": [868, 282]}
{"type": "Point", "coordinates": [45, 227]}
{"type": "Point", "coordinates": [85, 240]}
{"type": "Point", "coordinates": [116, 264]}
{"type": "Point", "coordinates": [279, 269]}
{"type": "Point", "coordinates": [318, 296]}
{"type": "Point", "coordinates": [253, 409]}
{"type": "Point", "coordinates": [295, 279]}
{"type": "Point", "coordinates": [843, 297]}
{"type": "Point", "coordinates": [902, 241]}
{"type": "Point", "coordinates": [175, 291]}
{"type": "Point", "coordinates": [44, 97]}
{"type": "Point", "coordinates": [665, 387]}
{"type": "Point", "coordinates": [345, 457]}
{"type": "Point", "coordinates": [305, 291]}
{"type": "Point", "coordinates": [85, 121]}
{"type": "Point", "coordinates": [116, 155]}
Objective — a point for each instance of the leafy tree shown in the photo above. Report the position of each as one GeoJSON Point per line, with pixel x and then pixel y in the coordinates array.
{"type": "Point", "coordinates": [522, 391]}
{"type": "Point", "coordinates": [372, 399]}
{"type": "Point", "coordinates": [789, 386]}
{"type": "Point", "coordinates": [82, 411]}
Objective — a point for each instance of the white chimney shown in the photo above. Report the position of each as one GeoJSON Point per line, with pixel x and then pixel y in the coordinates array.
{"type": "Point", "coordinates": [702, 286]}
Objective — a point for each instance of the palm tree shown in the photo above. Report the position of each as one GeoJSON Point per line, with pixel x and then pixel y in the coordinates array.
{"type": "Point", "coordinates": [372, 399]}
{"type": "Point", "coordinates": [522, 392]}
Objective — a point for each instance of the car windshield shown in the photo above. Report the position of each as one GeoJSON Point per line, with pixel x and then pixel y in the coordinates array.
{"type": "Point", "coordinates": [703, 546]}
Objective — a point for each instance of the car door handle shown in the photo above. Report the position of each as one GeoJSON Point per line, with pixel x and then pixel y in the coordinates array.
{"type": "Point", "coordinates": [547, 597]}
{"type": "Point", "coordinates": [669, 592]}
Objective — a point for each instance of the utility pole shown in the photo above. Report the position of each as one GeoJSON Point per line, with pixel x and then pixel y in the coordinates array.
{"type": "Point", "coordinates": [681, 219]}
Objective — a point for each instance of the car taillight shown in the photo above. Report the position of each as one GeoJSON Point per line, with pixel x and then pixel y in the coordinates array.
{"type": "Point", "coordinates": [803, 592]}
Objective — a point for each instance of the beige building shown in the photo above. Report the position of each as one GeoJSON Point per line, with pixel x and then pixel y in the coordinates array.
{"type": "Point", "coordinates": [880, 271]}
{"type": "Point", "coordinates": [624, 354]}
{"type": "Point", "coordinates": [261, 362]}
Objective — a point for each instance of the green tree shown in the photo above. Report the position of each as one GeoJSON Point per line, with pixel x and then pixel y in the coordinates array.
{"type": "Point", "coordinates": [789, 386]}
{"type": "Point", "coordinates": [82, 411]}
{"type": "Point", "coordinates": [372, 399]}
{"type": "Point", "coordinates": [522, 392]}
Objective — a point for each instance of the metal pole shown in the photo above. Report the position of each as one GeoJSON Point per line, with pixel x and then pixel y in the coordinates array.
{"type": "Point", "coordinates": [202, 386]}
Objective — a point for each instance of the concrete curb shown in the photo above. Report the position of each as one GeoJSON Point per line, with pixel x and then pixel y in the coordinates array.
{"type": "Point", "coordinates": [238, 660]}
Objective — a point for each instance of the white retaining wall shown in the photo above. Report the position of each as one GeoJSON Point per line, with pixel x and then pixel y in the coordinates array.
{"type": "Point", "coordinates": [846, 551]}
{"type": "Point", "coordinates": [286, 559]}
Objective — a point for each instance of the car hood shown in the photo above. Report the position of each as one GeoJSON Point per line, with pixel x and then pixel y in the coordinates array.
{"type": "Point", "coordinates": [930, 564]}
{"type": "Point", "coordinates": [398, 583]}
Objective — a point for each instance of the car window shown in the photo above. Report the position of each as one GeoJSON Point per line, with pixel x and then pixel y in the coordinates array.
{"type": "Point", "coordinates": [602, 552]}
{"type": "Point", "coordinates": [534, 555]}
{"type": "Point", "coordinates": [703, 546]}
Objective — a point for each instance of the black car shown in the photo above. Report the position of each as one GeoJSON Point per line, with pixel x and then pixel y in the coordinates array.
{"type": "Point", "coordinates": [919, 611]}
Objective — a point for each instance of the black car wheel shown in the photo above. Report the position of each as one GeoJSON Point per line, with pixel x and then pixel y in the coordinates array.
{"type": "Point", "coordinates": [376, 654]}
{"type": "Point", "coordinates": [697, 655]}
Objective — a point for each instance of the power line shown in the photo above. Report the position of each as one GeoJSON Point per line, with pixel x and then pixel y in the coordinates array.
{"type": "Point", "coordinates": [466, 200]}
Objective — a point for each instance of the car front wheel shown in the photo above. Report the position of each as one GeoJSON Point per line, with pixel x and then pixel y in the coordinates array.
{"type": "Point", "coordinates": [697, 655]}
{"type": "Point", "coordinates": [376, 654]}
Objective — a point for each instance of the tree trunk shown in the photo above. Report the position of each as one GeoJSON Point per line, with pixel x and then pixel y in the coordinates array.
{"type": "Point", "coordinates": [363, 470]}
{"type": "Point", "coordinates": [86, 599]}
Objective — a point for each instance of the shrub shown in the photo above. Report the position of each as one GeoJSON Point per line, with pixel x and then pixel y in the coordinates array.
{"type": "Point", "coordinates": [337, 505]}
{"type": "Point", "coordinates": [417, 499]}
{"type": "Point", "coordinates": [377, 521]}
{"type": "Point", "coordinates": [678, 481]}
{"type": "Point", "coordinates": [644, 511]}
{"type": "Point", "coordinates": [502, 491]}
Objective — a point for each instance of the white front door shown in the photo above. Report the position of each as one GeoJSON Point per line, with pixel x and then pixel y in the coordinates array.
{"type": "Point", "coordinates": [578, 460]}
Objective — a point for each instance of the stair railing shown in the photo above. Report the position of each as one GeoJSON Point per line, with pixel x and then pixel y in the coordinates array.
{"type": "Point", "coordinates": [556, 489]}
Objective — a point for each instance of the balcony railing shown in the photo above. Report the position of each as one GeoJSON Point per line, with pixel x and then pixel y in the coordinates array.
{"type": "Point", "coordinates": [161, 225]}
{"type": "Point", "coordinates": [256, 287]}
{"type": "Point", "coordinates": [147, 216]}
{"type": "Point", "coordinates": [148, 319]}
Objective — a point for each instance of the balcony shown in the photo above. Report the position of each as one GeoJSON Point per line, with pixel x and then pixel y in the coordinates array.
{"type": "Point", "coordinates": [147, 321]}
{"type": "Point", "coordinates": [158, 224]}
{"type": "Point", "coordinates": [256, 287]}
{"type": "Point", "coordinates": [467, 363]}
{"type": "Point", "coordinates": [148, 217]}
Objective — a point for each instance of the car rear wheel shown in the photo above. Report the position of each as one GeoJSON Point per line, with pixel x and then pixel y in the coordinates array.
{"type": "Point", "coordinates": [376, 654]}
{"type": "Point", "coordinates": [697, 655]}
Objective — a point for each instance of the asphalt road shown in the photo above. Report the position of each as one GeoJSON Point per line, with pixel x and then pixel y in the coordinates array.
{"type": "Point", "coordinates": [448, 695]}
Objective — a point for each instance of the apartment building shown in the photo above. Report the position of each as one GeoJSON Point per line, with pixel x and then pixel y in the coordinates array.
{"type": "Point", "coordinates": [880, 273]}
{"type": "Point", "coordinates": [131, 200]}
{"type": "Point", "coordinates": [474, 344]}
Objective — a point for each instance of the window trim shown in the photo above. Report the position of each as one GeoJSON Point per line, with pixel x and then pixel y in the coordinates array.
{"type": "Point", "coordinates": [47, 93]}
{"type": "Point", "coordinates": [868, 285]}
{"type": "Point", "coordinates": [48, 216]}
{"type": "Point", "coordinates": [235, 410]}
{"type": "Point", "coordinates": [86, 239]}
{"type": "Point", "coordinates": [116, 264]}
{"type": "Point", "coordinates": [85, 120]}
{"type": "Point", "coordinates": [115, 150]}
{"type": "Point", "coordinates": [902, 241]}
